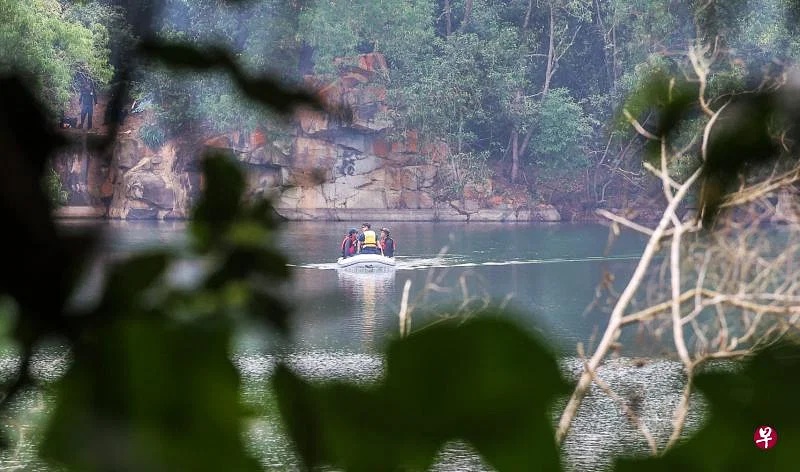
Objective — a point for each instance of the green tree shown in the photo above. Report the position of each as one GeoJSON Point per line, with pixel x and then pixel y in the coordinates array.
{"type": "Point", "coordinates": [262, 38]}
{"type": "Point", "coordinates": [562, 128]}
{"type": "Point", "coordinates": [110, 27]}
{"type": "Point", "coordinates": [55, 189]}
{"type": "Point", "coordinates": [42, 39]}
{"type": "Point", "coordinates": [402, 30]}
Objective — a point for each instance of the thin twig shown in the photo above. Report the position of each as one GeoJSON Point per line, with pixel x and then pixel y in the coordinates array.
{"type": "Point", "coordinates": [405, 319]}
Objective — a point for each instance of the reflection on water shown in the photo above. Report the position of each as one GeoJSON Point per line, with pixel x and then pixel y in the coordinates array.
{"type": "Point", "coordinates": [369, 291]}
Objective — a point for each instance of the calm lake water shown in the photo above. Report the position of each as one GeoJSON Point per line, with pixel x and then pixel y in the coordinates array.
{"type": "Point", "coordinates": [546, 274]}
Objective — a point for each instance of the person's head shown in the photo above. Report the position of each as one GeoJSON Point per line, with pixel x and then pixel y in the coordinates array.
{"type": "Point", "coordinates": [365, 226]}
{"type": "Point", "coordinates": [385, 232]}
{"type": "Point", "coordinates": [352, 231]}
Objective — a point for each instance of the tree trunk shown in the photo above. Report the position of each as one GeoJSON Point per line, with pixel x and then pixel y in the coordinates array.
{"type": "Point", "coordinates": [527, 16]}
{"type": "Point", "coordinates": [551, 55]}
{"type": "Point", "coordinates": [609, 44]}
{"type": "Point", "coordinates": [514, 156]}
{"type": "Point", "coordinates": [447, 18]}
{"type": "Point", "coordinates": [467, 15]}
{"type": "Point", "coordinates": [516, 149]}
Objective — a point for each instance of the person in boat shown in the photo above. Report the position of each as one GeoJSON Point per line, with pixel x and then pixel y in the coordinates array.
{"type": "Point", "coordinates": [350, 243]}
{"type": "Point", "coordinates": [368, 241]}
{"type": "Point", "coordinates": [386, 243]}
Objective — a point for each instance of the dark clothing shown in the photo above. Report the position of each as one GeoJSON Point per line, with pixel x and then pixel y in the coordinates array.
{"type": "Point", "coordinates": [348, 247]}
{"type": "Point", "coordinates": [370, 250]}
{"type": "Point", "coordinates": [87, 116]}
{"type": "Point", "coordinates": [87, 101]}
{"type": "Point", "coordinates": [388, 247]}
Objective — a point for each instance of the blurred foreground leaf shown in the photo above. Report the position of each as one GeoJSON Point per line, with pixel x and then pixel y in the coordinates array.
{"type": "Point", "coordinates": [145, 394]}
{"type": "Point", "coordinates": [485, 381]}
{"type": "Point", "coordinates": [745, 139]}
{"type": "Point", "coordinates": [221, 200]}
{"type": "Point", "coordinates": [752, 132]}
{"type": "Point", "coordinates": [763, 393]}
{"type": "Point", "coordinates": [151, 386]}
{"type": "Point", "coordinates": [669, 101]}
{"type": "Point", "coordinates": [35, 253]}
{"type": "Point", "coordinates": [240, 236]}
{"type": "Point", "coordinates": [265, 90]}
{"type": "Point", "coordinates": [127, 281]}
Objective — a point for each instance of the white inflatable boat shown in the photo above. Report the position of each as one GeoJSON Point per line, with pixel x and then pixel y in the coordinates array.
{"type": "Point", "coordinates": [366, 263]}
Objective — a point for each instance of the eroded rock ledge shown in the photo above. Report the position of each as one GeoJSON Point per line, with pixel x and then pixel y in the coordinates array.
{"type": "Point", "coordinates": [324, 169]}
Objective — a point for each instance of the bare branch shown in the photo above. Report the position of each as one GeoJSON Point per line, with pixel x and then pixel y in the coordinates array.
{"type": "Point", "coordinates": [677, 325]}
{"type": "Point", "coordinates": [637, 126]}
{"type": "Point", "coordinates": [679, 419]}
{"type": "Point", "coordinates": [612, 331]}
{"type": "Point", "coordinates": [632, 416]}
{"type": "Point", "coordinates": [624, 221]}
{"type": "Point", "coordinates": [405, 319]}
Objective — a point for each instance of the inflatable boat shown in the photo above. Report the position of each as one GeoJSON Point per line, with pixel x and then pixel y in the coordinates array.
{"type": "Point", "coordinates": [366, 263]}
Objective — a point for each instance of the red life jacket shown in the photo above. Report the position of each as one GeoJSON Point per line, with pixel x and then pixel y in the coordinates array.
{"type": "Point", "coordinates": [351, 249]}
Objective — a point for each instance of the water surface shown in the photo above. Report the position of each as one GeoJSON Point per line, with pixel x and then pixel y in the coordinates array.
{"type": "Point", "coordinates": [545, 275]}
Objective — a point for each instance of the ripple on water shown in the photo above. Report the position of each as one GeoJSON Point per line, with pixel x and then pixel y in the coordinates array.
{"type": "Point", "coordinates": [313, 365]}
{"type": "Point", "coordinates": [600, 432]}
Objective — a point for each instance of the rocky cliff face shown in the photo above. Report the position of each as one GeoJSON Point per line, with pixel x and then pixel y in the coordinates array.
{"type": "Point", "coordinates": [324, 169]}
{"type": "Point", "coordinates": [137, 183]}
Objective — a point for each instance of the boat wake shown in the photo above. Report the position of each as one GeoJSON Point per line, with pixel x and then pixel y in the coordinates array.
{"type": "Point", "coordinates": [452, 260]}
{"type": "Point", "coordinates": [444, 264]}
{"type": "Point", "coordinates": [321, 266]}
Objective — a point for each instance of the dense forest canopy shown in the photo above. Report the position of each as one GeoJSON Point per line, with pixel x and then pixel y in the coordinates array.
{"type": "Point", "coordinates": [521, 89]}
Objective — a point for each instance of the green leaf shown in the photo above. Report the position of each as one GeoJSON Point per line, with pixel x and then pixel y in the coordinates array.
{"type": "Point", "coordinates": [185, 55]}
{"type": "Point", "coordinates": [763, 392]}
{"type": "Point", "coordinates": [221, 200]}
{"type": "Point", "coordinates": [740, 142]}
{"type": "Point", "coordinates": [268, 307]}
{"type": "Point", "coordinates": [127, 280]}
{"type": "Point", "coordinates": [672, 101]}
{"type": "Point", "coordinates": [485, 381]}
{"type": "Point", "coordinates": [146, 394]}
{"type": "Point", "coordinates": [265, 89]}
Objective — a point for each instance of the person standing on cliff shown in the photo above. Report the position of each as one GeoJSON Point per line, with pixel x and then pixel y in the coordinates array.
{"type": "Point", "coordinates": [88, 100]}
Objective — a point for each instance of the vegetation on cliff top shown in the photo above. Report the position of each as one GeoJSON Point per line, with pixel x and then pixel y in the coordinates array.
{"type": "Point", "coordinates": [520, 88]}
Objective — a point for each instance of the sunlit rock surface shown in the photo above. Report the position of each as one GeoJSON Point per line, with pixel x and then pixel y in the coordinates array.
{"type": "Point", "coordinates": [326, 167]}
